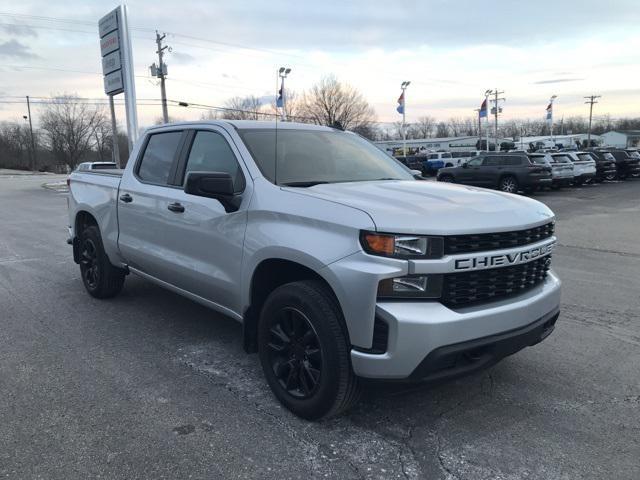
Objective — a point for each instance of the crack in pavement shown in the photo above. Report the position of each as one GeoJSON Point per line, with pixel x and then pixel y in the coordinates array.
{"type": "Point", "coordinates": [599, 250]}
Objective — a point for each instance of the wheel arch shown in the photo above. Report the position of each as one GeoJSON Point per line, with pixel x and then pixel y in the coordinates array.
{"type": "Point", "coordinates": [82, 220]}
{"type": "Point", "coordinates": [268, 275]}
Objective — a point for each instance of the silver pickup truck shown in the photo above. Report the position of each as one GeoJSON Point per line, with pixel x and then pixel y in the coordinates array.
{"type": "Point", "coordinates": [340, 264]}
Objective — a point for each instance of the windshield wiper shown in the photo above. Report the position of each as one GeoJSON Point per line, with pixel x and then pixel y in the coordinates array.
{"type": "Point", "coordinates": [302, 184]}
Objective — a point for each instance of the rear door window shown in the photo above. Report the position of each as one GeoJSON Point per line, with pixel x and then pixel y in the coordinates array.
{"type": "Point", "coordinates": [512, 160]}
{"type": "Point", "coordinates": [159, 154]}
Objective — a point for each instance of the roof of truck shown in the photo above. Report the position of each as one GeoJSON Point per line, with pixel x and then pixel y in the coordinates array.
{"type": "Point", "coordinates": [248, 124]}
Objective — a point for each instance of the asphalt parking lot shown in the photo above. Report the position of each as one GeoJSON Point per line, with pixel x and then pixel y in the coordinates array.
{"type": "Point", "coordinates": [151, 385]}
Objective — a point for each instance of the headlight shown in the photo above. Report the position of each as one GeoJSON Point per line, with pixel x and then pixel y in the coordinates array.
{"type": "Point", "coordinates": [402, 246]}
{"type": "Point", "coordinates": [411, 286]}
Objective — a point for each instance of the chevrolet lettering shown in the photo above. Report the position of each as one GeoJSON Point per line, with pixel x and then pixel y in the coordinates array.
{"type": "Point", "coordinates": [515, 258]}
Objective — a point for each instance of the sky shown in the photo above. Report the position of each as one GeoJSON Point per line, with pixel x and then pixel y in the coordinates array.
{"type": "Point", "coordinates": [451, 51]}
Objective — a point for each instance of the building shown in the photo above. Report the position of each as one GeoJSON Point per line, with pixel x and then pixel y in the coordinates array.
{"type": "Point", "coordinates": [447, 144]}
{"type": "Point", "coordinates": [557, 141]}
{"type": "Point", "coordinates": [622, 138]}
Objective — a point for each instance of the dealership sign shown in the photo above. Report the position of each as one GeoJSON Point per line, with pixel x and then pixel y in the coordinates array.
{"type": "Point", "coordinates": [117, 64]}
{"type": "Point", "coordinates": [110, 50]}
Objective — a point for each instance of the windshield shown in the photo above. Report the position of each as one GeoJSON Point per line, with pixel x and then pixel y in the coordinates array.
{"type": "Point", "coordinates": [538, 159]}
{"type": "Point", "coordinates": [585, 156]}
{"type": "Point", "coordinates": [309, 157]}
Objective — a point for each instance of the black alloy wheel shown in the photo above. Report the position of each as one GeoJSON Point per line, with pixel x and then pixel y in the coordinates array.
{"type": "Point", "coordinates": [304, 350]}
{"type": "Point", "coordinates": [294, 353]}
{"type": "Point", "coordinates": [89, 265]}
{"type": "Point", "coordinates": [99, 276]}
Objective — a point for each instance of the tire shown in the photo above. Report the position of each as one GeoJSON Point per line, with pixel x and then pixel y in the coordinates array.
{"type": "Point", "coordinates": [100, 278]}
{"type": "Point", "coordinates": [610, 177]}
{"type": "Point", "coordinates": [305, 352]}
{"type": "Point", "coordinates": [446, 179]}
{"type": "Point", "coordinates": [508, 184]}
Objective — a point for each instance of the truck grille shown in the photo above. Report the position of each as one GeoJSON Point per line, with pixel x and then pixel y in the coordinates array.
{"type": "Point", "coordinates": [493, 241]}
{"type": "Point", "coordinates": [463, 289]}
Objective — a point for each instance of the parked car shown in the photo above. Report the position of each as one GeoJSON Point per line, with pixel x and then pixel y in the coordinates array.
{"type": "Point", "coordinates": [86, 166]}
{"type": "Point", "coordinates": [458, 158]}
{"type": "Point", "coordinates": [633, 152]}
{"type": "Point", "coordinates": [413, 162]}
{"type": "Point", "coordinates": [339, 265]}
{"type": "Point", "coordinates": [626, 165]}
{"type": "Point", "coordinates": [509, 172]}
{"type": "Point", "coordinates": [561, 169]}
{"type": "Point", "coordinates": [434, 162]}
{"type": "Point", "coordinates": [584, 167]}
{"type": "Point", "coordinates": [605, 165]}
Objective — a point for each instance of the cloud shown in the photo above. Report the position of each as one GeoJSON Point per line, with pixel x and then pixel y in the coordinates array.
{"type": "Point", "coordinates": [16, 49]}
{"type": "Point", "coordinates": [557, 80]}
{"type": "Point", "coordinates": [19, 30]}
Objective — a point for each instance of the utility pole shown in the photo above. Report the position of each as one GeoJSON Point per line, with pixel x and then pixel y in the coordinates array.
{"type": "Point", "coordinates": [591, 101]}
{"type": "Point", "coordinates": [115, 151]}
{"type": "Point", "coordinates": [33, 143]}
{"type": "Point", "coordinates": [161, 71]}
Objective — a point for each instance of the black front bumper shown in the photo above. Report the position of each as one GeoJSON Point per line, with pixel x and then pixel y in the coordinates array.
{"type": "Point", "coordinates": [452, 361]}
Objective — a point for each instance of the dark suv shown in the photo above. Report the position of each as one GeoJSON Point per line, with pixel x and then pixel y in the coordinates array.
{"type": "Point", "coordinates": [626, 165]}
{"type": "Point", "coordinates": [509, 172]}
{"type": "Point", "coordinates": [605, 165]}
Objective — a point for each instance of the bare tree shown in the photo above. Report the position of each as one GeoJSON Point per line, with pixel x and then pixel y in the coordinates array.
{"type": "Point", "coordinates": [424, 127]}
{"type": "Point", "coordinates": [14, 146]}
{"type": "Point", "coordinates": [330, 102]}
{"type": "Point", "coordinates": [243, 108]}
{"type": "Point", "coordinates": [103, 138]}
{"type": "Point", "coordinates": [442, 130]}
{"type": "Point", "coordinates": [70, 127]}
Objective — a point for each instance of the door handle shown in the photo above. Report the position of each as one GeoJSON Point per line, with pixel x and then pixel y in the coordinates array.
{"type": "Point", "coordinates": [126, 198]}
{"type": "Point", "coordinates": [176, 207]}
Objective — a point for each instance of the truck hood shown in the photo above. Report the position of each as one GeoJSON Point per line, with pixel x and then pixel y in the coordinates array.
{"type": "Point", "coordinates": [435, 208]}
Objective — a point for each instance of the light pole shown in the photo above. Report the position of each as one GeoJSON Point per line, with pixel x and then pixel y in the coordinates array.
{"type": "Point", "coordinates": [553, 97]}
{"type": "Point", "coordinates": [404, 86]}
{"type": "Point", "coordinates": [282, 73]}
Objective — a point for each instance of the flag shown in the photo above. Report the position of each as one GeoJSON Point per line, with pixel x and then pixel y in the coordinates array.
{"type": "Point", "coordinates": [550, 113]}
{"type": "Point", "coordinates": [483, 109]}
{"type": "Point", "coordinates": [400, 107]}
{"type": "Point", "coordinates": [279, 101]}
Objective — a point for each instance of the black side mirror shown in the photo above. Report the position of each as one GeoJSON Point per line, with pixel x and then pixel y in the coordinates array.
{"type": "Point", "coordinates": [465, 165]}
{"type": "Point", "coordinates": [218, 185]}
